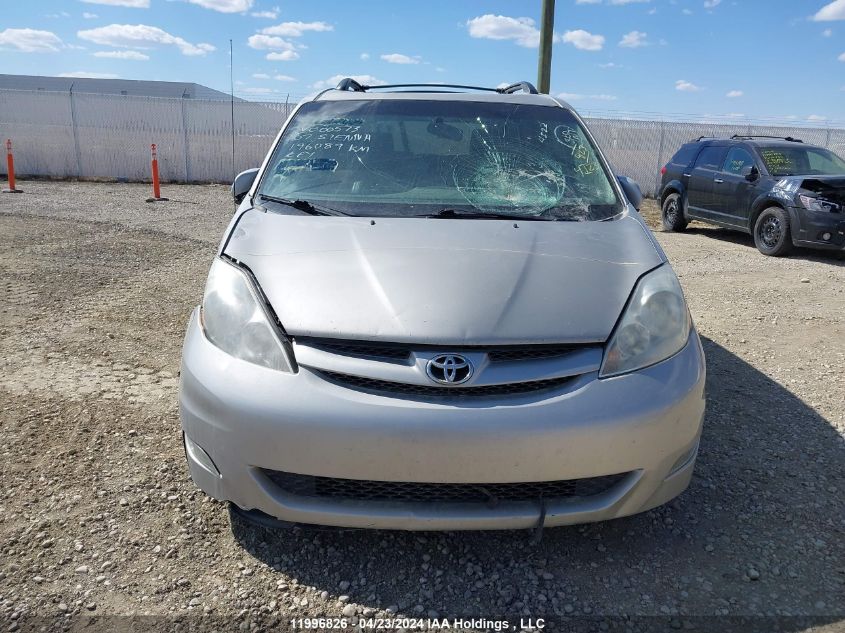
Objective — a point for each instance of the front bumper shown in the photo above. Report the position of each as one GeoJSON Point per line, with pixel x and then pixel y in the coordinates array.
{"type": "Point", "coordinates": [249, 419]}
{"type": "Point", "coordinates": [810, 227]}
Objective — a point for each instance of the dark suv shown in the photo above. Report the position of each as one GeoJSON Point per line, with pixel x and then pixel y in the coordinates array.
{"type": "Point", "coordinates": [783, 192]}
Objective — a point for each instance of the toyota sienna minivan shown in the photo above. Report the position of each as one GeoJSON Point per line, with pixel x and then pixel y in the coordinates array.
{"type": "Point", "coordinates": [436, 308]}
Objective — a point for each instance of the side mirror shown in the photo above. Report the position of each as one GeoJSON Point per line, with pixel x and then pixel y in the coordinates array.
{"type": "Point", "coordinates": [243, 183]}
{"type": "Point", "coordinates": [632, 191]}
{"type": "Point", "coordinates": [750, 172]}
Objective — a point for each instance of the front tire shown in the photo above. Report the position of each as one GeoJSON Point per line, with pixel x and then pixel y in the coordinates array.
{"type": "Point", "coordinates": [772, 233]}
{"type": "Point", "coordinates": [673, 213]}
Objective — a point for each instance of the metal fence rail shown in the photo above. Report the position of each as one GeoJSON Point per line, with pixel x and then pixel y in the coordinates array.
{"type": "Point", "coordinates": [95, 136]}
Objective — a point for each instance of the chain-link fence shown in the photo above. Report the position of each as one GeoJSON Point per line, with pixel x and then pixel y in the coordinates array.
{"type": "Point", "coordinates": [77, 135]}
{"type": "Point", "coordinates": [93, 136]}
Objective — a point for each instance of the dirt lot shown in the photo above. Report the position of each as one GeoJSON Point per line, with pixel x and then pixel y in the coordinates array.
{"type": "Point", "coordinates": [98, 516]}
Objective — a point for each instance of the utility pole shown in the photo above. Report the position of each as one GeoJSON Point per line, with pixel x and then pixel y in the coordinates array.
{"type": "Point", "coordinates": [547, 28]}
{"type": "Point", "coordinates": [232, 88]}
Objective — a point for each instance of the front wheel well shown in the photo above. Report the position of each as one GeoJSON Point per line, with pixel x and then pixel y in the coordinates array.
{"type": "Point", "coordinates": [758, 209]}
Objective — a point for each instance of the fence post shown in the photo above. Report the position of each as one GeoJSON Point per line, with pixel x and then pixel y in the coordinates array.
{"type": "Point", "coordinates": [185, 139]}
{"type": "Point", "coordinates": [660, 159]}
{"type": "Point", "coordinates": [75, 134]}
{"type": "Point", "coordinates": [827, 140]}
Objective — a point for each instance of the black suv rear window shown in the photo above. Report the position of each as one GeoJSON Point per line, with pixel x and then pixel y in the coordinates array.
{"type": "Point", "coordinates": [685, 155]}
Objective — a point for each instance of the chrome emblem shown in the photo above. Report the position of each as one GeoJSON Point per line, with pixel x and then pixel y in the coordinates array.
{"type": "Point", "coordinates": [449, 369]}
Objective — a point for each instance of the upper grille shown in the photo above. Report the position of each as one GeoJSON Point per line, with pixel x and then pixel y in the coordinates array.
{"type": "Point", "coordinates": [375, 385]}
{"type": "Point", "coordinates": [402, 351]}
{"type": "Point", "coordinates": [360, 348]}
{"type": "Point", "coordinates": [368, 490]}
{"type": "Point", "coordinates": [529, 352]}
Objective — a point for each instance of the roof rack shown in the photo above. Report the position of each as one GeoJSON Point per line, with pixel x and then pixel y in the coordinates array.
{"type": "Point", "coordinates": [753, 136]}
{"type": "Point", "coordinates": [350, 84]}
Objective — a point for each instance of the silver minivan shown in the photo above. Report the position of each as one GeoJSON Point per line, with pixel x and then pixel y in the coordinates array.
{"type": "Point", "coordinates": [436, 308]}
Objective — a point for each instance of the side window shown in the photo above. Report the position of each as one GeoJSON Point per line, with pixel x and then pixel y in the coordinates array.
{"type": "Point", "coordinates": [684, 155]}
{"type": "Point", "coordinates": [737, 159]}
{"type": "Point", "coordinates": [710, 158]}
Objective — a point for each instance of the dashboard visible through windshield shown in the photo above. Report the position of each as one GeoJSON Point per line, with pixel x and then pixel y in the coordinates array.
{"type": "Point", "coordinates": [407, 158]}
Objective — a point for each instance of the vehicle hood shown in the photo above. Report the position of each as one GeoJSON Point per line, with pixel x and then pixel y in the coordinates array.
{"type": "Point", "coordinates": [831, 188]}
{"type": "Point", "coordinates": [444, 281]}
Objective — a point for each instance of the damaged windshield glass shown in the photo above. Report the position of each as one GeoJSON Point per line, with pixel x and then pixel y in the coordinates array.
{"type": "Point", "coordinates": [406, 158]}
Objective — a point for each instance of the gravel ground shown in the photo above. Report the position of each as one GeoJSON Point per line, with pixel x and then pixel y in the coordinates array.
{"type": "Point", "coordinates": [98, 516]}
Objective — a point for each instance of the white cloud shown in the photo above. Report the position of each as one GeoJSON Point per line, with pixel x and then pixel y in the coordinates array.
{"type": "Point", "coordinates": [827, 32]}
{"type": "Point", "coordinates": [830, 12]}
{"type": "Point", "coordinates": [30, 41]}
{"type": "Point", "coordinates": [584, 40]}
{"type": "Point", "coordinates": [133, 4]}
{"type": "Point", "coordinates": [133, 55]}
{"type": "Point", "coordinates": [634, 39]}
{"type": "Point", "coordinates": [686, 12]}
{"type": "Point", "coordinates": [296, 29]}
{"type": "Point", "coordinates": [502, 27]}
{"type": "Point", "coordinates": [619, 2]}
{"type": "Point", "coordinates": [268, 42]}
{"type": "Point", "coordinates": [270, 15]}
{"type": "Point", "coordinates": [574, 96]}
{"type": "Point", "coordinates": [281, 49]}
{"type": "Point", "coordinates": [260, 76]}
{"type": "Point", "coordinates": [841, 58]}
{"type": "Point", "coordinates": [711, 4]}
{"type": "Point", "coordinates": [284, 78]}
{"type": "Point", "coordinates": [258, 91]}
{"type": "Point", "coordinates": [141, 36]}
{"type": "Point", "coordinates": [399, 58]}
{"type": "Point", "coordinates": [365, 56]}
{"type": "Point", "coordinates": [733, 94]}
{"type": "Point", "coordinates": [225, 6]}
{"type": "Point", "coordinates": [81, 74]}
{"type": "Point", "coordinates": [89, 16]}
{"type": "Point", "coordinates": [284, 56]}
{"type": "Point", "coordinates": [816, 118]}
{"type": "Point", "coordinates": [63, 14]}
{"type": "Point", "coordinates": [331, 82]}
{"type": "Point", "coordinates": [587, 1]}
{"type": "Point", "coordinates": [686, 86]}
{"type": "Point", "coordinates": [611, 65]}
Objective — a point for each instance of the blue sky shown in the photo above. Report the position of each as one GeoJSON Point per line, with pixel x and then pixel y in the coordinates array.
{"type": "Point", "coordinates": [756, 58]}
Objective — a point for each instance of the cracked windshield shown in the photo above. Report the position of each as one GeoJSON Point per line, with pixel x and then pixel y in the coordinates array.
{"type": "Point", "coordinates": [423, 158]}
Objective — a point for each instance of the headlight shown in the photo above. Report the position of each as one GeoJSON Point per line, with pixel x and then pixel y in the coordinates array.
{"type": "Point", "coordinates": [235, 320]}
{"type": "Point", "coordinates": [818, 204]}
{"type": "Point", "coordinates": [654, 326]}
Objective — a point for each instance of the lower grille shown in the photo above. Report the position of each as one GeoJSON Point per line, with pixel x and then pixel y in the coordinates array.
{"type": "Point", "coordinates": [366, 490]}
{"type": "Point", "coordinates": [374, 385]}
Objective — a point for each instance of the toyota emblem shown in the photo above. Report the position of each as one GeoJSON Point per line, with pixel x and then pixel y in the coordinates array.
{"type": "Point", "coordinates": [449, 369]}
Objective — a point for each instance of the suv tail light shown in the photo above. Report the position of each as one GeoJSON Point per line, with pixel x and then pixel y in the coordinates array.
{"type": "Point", "coordinates": [663, 170]}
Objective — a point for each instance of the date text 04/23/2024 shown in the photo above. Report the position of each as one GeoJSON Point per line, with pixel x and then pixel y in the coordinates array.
{"type": "Point", "coordinates": [407, 624]}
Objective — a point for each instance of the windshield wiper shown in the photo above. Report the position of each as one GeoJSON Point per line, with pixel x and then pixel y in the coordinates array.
{"type": "Point", "coordinates": [480, 215]}
{"type": "Point", "coordinates": [302, 205]}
